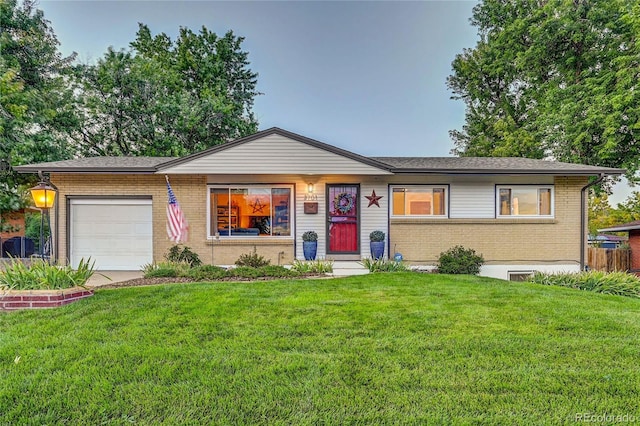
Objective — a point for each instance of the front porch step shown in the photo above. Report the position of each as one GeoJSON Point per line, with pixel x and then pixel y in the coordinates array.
{"type": "Point", "coordinates": [343, 268]}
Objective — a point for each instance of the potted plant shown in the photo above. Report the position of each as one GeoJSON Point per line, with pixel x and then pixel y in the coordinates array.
{"type": "Point", "coordinates": [310, 245]}
{"type": "Point", "coordinates": [377, 244]}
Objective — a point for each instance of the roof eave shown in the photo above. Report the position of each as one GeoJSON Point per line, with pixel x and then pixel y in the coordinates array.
{"type": "Point", "coordinates": [624, 229]}
{"type": "Point", "coordinates": [85, 170]}
{"type": "Point", "coordinates": [505, 172]}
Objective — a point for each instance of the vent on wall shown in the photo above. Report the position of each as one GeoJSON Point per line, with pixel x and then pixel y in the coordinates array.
{"type": "Point", "coordinates": [519, 275]}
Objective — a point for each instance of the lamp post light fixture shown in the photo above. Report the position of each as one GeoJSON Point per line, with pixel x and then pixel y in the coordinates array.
{"type": "Point", "coordinates": [44, 197]}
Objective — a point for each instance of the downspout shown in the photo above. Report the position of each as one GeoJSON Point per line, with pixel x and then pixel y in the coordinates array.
{"type": "Point", "coordinates": [583, 221]}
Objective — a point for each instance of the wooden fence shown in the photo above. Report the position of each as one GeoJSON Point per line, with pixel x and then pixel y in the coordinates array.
{"type": "Point", "coordinates": [603, 259]}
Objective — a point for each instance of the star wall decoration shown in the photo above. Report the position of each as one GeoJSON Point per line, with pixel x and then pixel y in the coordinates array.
{"type": "Point", "coordinates": [257, 206]}
{"type": "Point", "coordinates": [373, 198]}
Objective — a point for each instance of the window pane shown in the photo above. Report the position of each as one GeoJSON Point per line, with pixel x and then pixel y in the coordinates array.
{"type": "Point", "coordinates": [398, 201]}
{"type": "Point", "coordinates": [545, 201]}
{"type": "Point", "coordinates": [505, 202]}
{"type": "Point", "coordinates": [223, 219]}
{"type": "Point", "coordinates": [281, 213]}
{"type": "Point", "coordinates": [438, 201]}
{"type": "Point", "coordinates": [524, 201]}
{"type": "Point", "coordinates": [418, 201]}
{"type": "Point", "coordinates": [254, 211]}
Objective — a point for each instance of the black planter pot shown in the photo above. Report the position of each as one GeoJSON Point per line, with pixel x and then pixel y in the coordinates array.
{"type": "Point", "coordinates": [377, 249]}
{"type": "Point", "coordinates": [309, 248]}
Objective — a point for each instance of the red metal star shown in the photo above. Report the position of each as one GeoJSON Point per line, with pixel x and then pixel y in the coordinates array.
{"type": "Point", "coordinates": [373, 198]}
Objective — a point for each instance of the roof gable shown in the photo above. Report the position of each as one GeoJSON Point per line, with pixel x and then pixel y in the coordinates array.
{"type": "Point", "coordinates": [275, 151]}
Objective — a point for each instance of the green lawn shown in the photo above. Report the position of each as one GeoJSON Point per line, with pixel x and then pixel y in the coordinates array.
{"type": "Point", "coordinates": [396, 348]}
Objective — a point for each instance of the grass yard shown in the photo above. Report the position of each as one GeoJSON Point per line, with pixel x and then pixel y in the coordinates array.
{"type": "Point", "coordinates": [376, 349]}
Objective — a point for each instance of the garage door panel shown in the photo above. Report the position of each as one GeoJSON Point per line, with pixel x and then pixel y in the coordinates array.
{"type": "Point", "coordinates": [117, 234]}
{"type": "Point", "coordinates": [143, 229]}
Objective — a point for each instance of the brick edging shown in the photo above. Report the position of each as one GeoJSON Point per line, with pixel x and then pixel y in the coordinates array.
{"type": "Point", "coordinates": [41, 299]}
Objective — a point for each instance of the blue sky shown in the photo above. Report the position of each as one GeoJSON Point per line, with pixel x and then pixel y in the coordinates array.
{"type": "Point", "coordinates": [369, 77]}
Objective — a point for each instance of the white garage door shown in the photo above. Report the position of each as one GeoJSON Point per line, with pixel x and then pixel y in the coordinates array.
{"type": "Point", "coordinates": [117, 234]}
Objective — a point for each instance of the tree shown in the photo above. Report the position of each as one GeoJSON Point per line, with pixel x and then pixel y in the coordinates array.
{"type": "Point", "coordinates": [602, 215]}
{"type": "Point", "coordinates": [168, 98]}
{"type": "Point", "coordinates": [37, 113]}
{"type": "Point", "coordinates": [553, 78]}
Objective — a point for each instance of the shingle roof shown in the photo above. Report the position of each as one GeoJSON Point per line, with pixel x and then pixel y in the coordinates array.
{"type": "Point", "coordinates": [99, 165]}
{"type": "Point", "coordinates": [432, 165]}
{"type": "Point", "coordinates": [492, 165]}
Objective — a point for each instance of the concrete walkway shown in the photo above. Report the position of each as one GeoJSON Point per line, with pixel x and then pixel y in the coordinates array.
{"type": "Point", "coordinates": [348, 268]}
{"type": "Point", "coordinates": [100, 278]}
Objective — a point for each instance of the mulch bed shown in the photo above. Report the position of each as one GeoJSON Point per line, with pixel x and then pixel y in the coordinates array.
{"type": "Point", "coordinates": [178, 280]}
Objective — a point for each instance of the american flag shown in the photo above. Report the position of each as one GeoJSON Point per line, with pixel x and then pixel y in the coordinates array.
{"type": "Point", "coordinates": [176, 223]}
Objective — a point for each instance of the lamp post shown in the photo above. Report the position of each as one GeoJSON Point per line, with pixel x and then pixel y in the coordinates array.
{"type": "Point", "coordinates": [44, 196]}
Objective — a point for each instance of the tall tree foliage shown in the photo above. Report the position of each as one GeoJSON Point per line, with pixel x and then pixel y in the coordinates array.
{"type": "Point", "coordinates": [37, 113]}
{"type": "Point", "coordinates": [165, 97]}
{"type": "Point", "coordinates": [555, 78]}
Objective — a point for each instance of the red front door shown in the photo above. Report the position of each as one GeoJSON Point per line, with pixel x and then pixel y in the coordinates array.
{"type": "Point", "coordinates": [343, 212]}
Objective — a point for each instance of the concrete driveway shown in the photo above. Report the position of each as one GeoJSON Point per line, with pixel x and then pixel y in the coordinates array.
{"type": "Point", "coordinates": [100, 278]}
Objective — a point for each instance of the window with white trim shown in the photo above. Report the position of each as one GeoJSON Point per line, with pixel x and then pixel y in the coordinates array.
{"type": "Point", "coordinates": [418, 200]}
{"type": "Point", "coordinates": [524, 201]}
{"type": "Point", "coordinates": [250, 211]}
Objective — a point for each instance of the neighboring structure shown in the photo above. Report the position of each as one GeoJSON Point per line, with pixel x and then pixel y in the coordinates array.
{"type": "Point", "coordinates": [266, 190]}
{"type": "Point", "coordinates": [633, 228]}
{"type": "Point", "coordinates": [607, 241]}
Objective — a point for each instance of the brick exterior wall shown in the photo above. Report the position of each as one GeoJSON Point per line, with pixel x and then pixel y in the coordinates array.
{"type": "Point", "coordinates": [40, 299]}
{"type": "Point", "coordinates": [500, 241]}
{"type": "Point", "coordinates": [191, 192]}
{"type": "Point", "coordinates": [634, 245]}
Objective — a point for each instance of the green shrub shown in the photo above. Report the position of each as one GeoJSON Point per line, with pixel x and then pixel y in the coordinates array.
{"type": "Point", "coordinates": [384, 265]}
{"type": "Point", "coordinates": [41, 275]}
{"type": "Point", "coordinates": [619, 283]}
{"type": "Point", "coordinates": [166, 269]}
{"type": "Point", "coordinates": [208, 272]}
{"type": "Point", "coordinates": [245, 272]}
{"type": "Point", "coordinates": [252, 259]}
{"type": "Point", "coordinates": [310, 236]}
{"type": "Point", "coordinates": [459, 260]}
{"type": "Point", "coordinates": [276, 271]}
{"type": "Point", "coordinates": [161, 273]}
{"type": "Point", "coordinates": [312, 266]}
{"type": "Point", "coordinates": [376, 236]}
{"type": "Point", "coordinates": [178, 254]}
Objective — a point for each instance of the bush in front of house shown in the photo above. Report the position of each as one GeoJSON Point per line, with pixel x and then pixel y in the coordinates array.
{"type": "Point", "coordinates": [277, 271]}
{"type": "Point", "coordinates": [180, 254]}
{"type": "Point", "coordinates": [460, 260]}
{"type": "Point", "coordinates": [618, 283]}
{"type": "Point", "coordinates": [41, 275]}
{"type": "Point", "coordinates": [166, 269]}
{"type": "Point", "coordinates": [312, 266]}
{"type": "Point", "coordinates": [245, 272]}
{"type": "Point", "coordinates": [208, 273]}
{"type": "Point", "coordinates": [384, 265]}
{"type": "Point", "coordinates": [252, 259]}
